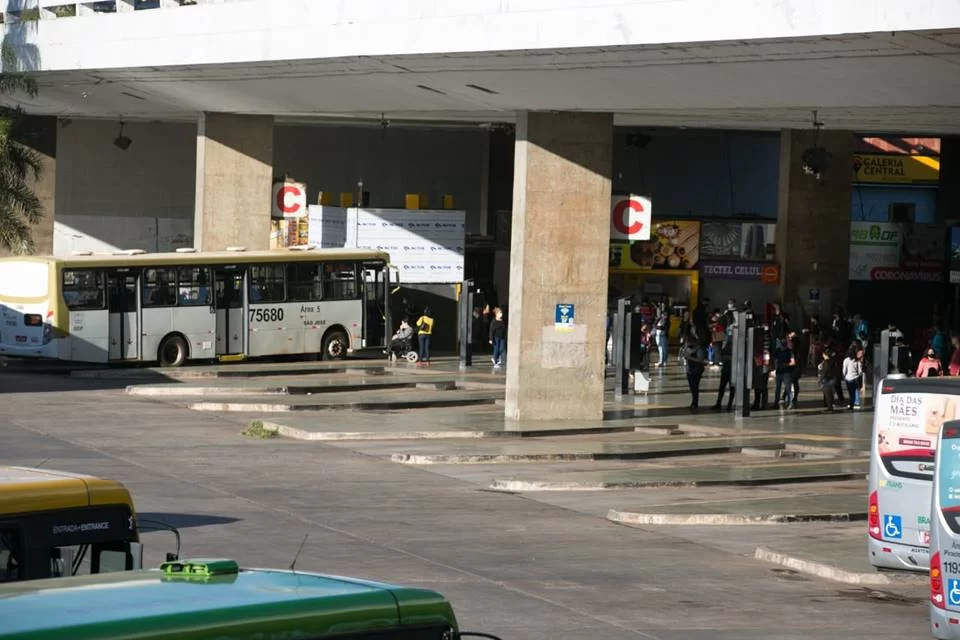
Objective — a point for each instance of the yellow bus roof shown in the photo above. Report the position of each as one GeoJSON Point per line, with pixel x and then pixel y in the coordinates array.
{"type": "Point", "coordinates": [205, 257]}
{"type": "Point", "coordinates": [27, 490]}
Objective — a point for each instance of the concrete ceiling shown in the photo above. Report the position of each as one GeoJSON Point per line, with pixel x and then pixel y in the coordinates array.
{"type": "Point", "coordinates": [903, 82]}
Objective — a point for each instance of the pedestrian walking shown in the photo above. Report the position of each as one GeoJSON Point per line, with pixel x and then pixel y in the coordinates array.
{"type": "Point", "coordinates": [779, 327]}
{"type": "Point", "coordinates": [853, 375]}
{"type": "Point", "coordinates": [424, 335]}
{"type": "Point", "coordinates": [498, 338]}
{"type": "Point", "coordinates": [662, 326]}
{"type": "Point", "coordinates": [761, 370]}
{"type": "Point", "coordinates": [726, 357]}
{"type": "Point", "coordinates": [812, 333]}
{"type": "Point", "coordinates": [955, 356]}
{"type": "Point", "coordinates": [785, 362]}
{"type": "Point", "coordinates": [695, 360]}
{"type": "Point", "coordinates": [825, 378]}
{"type": "Point", "coordinates": [797, 371]}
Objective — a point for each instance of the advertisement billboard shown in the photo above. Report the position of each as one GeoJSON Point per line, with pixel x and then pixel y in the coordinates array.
{"type": "Point", "coordinates": [673, 244]}
{"type": "Point", "coordinates": [886, 251]}
{"type": "Point", "coordinates": [738, 240]}
{"type": "Point", "coordinates": [895, 169]}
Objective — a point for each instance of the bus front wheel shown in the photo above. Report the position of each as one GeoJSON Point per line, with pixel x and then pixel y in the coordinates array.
{"type": "Point", "coordinates": [335, 345]}
{"type": "Point", "coordinates": [173, 351]}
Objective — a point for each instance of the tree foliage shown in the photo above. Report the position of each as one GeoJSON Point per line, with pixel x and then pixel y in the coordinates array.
{"type": "Point", "coordinates": [19, 206]}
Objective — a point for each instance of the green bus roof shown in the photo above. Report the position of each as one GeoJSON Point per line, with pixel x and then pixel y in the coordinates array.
{"type": "Point", "coordinates": [254, 603]}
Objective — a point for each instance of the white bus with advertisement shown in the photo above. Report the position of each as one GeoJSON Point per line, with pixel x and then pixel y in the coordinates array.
{"type": "Point", "coordinates": [906, 423]}
{"type": "Point", "coordinates": [945, 536]}
{"type": "Point", "coordinates": [175, 307]}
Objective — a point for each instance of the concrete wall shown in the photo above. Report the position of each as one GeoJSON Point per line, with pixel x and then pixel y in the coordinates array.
{"type": "Point", "coordinates": [392, 162]}
{"type": "Point", "coordinates": [701, 174]}
{"type": "Point", "coordinates": [285, 30]}
{"type": "Point", "coordinates": [109, 199]}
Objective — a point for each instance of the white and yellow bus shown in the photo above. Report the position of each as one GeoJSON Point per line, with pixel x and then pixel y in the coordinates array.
{"type": "Point", "coordinates": [174, 307]}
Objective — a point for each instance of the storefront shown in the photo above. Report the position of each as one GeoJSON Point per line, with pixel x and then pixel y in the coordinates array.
{"type": "Point", "coordinates": [662, 269]}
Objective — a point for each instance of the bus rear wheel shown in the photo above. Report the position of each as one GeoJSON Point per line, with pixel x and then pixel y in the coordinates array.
{"type": "Point", "coordinates": [172, 352]}
{"type": "Point", "coordinates": [335, 345]}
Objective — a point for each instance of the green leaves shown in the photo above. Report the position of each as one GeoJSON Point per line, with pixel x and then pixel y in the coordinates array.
{"type": "Point", "coordinates": [19, 206]}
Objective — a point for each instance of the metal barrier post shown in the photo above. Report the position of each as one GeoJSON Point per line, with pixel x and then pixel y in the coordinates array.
{"type": "Point", "coordinates": [621, 347]}
{"type": "Point", "coordinates": [741, 374]}
{"type": "Point", "coordinates": [466, 324]}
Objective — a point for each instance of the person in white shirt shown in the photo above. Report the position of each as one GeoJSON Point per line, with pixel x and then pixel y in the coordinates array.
{"type": "Point", "coordinates": [853, 376]}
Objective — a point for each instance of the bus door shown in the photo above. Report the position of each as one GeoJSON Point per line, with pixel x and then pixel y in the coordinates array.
{"type": "Point", "coordinates": [228, 305]}
{"type": "Point", "coordinates": [375, 315]}
{"type": "Point", "coordinates": [124, 319]}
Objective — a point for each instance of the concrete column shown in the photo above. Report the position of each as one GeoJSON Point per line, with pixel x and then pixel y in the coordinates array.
{"type": "Point", "coordinates": [42, 138]}
{"type": "Point", "coordinates": [559, 255]}
{"type": "Point", "coordinates": [234, 178]}
{"type": "Point", "coordinates": [813, 223]}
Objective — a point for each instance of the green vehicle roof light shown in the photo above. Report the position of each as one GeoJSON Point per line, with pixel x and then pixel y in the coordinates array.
{"type": "Point", "coordinates": [200, 568]}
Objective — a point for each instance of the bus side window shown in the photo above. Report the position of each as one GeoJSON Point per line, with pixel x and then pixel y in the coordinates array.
{"type": "Point", "coordinates": [267, 283]}
{"type": "Point", "coordinates": [159, 287]}
{"type": "Point", "coordinates": [303, 282]}
{"type": "Point", "coordinates": [339, 281]}
{"type": "Point", "coordinates": [9, 554]}
{"type": "Point", "coordinates": [193, 286]}
{"type": "Point", "coordinates": [83, 290]}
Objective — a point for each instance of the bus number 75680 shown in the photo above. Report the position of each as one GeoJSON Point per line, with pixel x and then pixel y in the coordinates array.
{"type": "Point", "coordinates": [266, 315]}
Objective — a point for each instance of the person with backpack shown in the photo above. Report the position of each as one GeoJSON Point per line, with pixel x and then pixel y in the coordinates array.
{"type": "Point", "coordinates": [424, 334]}
{"type": "Point", "coordinates": [825, 378]}
{"type": "Point", "coordinates": [695, 361]}
{"type": "Point", "coordinates": [726, 357]}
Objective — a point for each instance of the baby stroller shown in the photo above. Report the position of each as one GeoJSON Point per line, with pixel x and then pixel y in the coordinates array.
{"type": "Point", "coordinates": [403, 348]}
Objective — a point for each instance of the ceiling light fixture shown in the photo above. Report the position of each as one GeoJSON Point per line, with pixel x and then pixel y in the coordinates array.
{"type": "Point", "coordinates": [815, 159]}
{"type": "Point", "coordinates": [122, 142]}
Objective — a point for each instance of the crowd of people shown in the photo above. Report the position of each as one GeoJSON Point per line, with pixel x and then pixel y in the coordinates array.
{"type": "Point", "coordinates": [836, 354]}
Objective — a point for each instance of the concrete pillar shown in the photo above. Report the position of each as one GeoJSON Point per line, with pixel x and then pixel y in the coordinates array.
{"type": "Point", "coordinates": [813, 224]}
{"type": "Point", "coordinates": [41, 137]}
{"type": "Point", "coordinates": [234, 178]}
{"type": "Point", "coordinates": [559, 256]}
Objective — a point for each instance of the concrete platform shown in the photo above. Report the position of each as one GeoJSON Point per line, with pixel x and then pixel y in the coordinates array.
{"type": "Point", "coordinates": [691, 476]}
{"type": "Point", "coordinates": [620, 449]}
{"type": "Point", "coordinates": [296, 387]}
{"type": "Point", "coordinates": [384, 400]}
{"type": "Point", "coordinates": [819, 507]}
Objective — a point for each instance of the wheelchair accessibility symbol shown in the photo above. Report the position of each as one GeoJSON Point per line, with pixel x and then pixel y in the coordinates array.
{"type": "Point", "coordinates": [953, 592]}
{"type": "Point", "coordinates": [893, 527]}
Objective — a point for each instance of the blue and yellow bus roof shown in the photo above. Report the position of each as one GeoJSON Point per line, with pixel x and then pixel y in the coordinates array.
{"type": "Point", "coordinates": [189, 602]}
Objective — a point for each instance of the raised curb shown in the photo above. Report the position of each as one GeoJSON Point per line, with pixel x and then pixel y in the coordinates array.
{"type": "Point", "coordinates": [302, 434]}
{"type": "Point", "coordinates": [727, 519]}
{"type": "Point", "coordinates": [533, 458]}
{"type": "Point", "coordinates": [167, 390]}
{"type": "Point", "coordinates": [264, 407]}
{"type": "Point", "coordinates": [834, 573]}
{"type": "Point", "coordinates": [543, 485]}
{"type": "Point", "coordinates": [189, 373]}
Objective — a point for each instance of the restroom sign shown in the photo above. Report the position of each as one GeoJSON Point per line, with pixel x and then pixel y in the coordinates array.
{"type": "Point", "coordinates": [630, 217]}
{"type": "Point", "coordinates": [289, 200]}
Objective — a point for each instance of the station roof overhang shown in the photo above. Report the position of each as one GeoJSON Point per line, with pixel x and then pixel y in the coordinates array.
{"type": "Point", "coordinates": [874, 82]}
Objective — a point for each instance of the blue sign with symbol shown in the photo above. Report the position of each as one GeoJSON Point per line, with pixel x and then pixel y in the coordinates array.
{"type": "Point", "coordinates": [564, 316]}
{"type": "Point", "coordinates": [893, 527]}
{"type": "Point", "coordinates": [953, 592]}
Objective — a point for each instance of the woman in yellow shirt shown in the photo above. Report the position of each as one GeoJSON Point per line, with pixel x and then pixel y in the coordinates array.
{"type": "Point", "coordinates": [424, 332]}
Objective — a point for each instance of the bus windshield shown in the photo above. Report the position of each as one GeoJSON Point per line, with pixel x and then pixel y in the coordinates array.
{"type": "Point", "coordinates": [949, 477]}
{"type": "Point", "coordinates": [55, 524]}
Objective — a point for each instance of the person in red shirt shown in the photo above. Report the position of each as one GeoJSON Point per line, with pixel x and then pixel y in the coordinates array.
{"type": "Point", "coordinates": [955, 358]}
{"type": "Point", "coordinates": [929, 365]}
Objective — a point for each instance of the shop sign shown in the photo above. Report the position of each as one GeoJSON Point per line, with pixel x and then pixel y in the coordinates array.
{"type": "Point", "coordinates": [738, 240]}
{"type": "Point", "coordinates": [630, 218]}
{"type": "Point", "coordinates": [673, 244]}
{"type": "Point", "coordinates": [895, 169]}
{"type": "Point", "coordinates": [289, 200]}
{"type": "Point", "coordinates": [884, 251]}
{"type": "Point", "coordinates": [737, 270]}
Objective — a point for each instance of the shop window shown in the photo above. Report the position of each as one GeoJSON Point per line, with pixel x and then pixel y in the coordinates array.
{"type": "Point", "coordinates": [903, 212]}
{"type": "Point", "coordinates": [267, 283]}
{"type": "Point", "coordinates": [83, 290]}
{"type": "Point", "coordinates": [339, 281]}
{"type": "Point", "coordinates": [193, 286]}
{"type": "Point", "coordinates": [304, 282]}
{"type": "Point", "coordinates": [159, 288]}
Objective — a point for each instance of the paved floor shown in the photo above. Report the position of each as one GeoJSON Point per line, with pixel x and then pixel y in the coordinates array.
{"type": "Point", "coordinates": [545, 565]}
